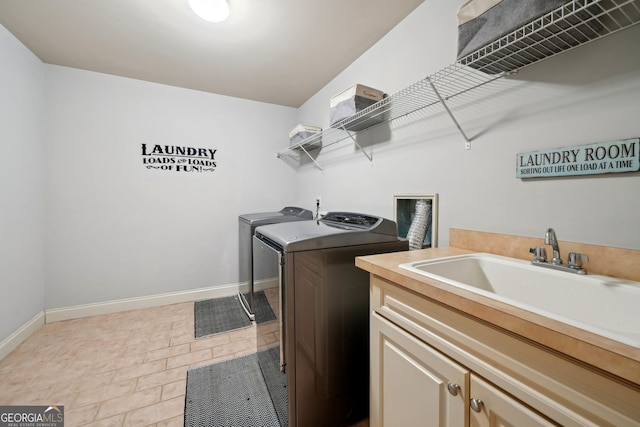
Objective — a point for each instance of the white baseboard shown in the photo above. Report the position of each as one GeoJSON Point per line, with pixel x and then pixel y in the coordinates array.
{"type": "Point", "coordinates": [25, 331]}
{"type": "Point", "coordinates": [261, 285]}
{"type": "Point", "coordinates": [79, 311]}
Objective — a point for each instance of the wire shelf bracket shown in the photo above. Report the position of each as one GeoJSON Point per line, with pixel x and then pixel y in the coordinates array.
{"type": "Point", "coordinates": [355, 141]}
{"type": "Point", "coordinates": [467, 142]}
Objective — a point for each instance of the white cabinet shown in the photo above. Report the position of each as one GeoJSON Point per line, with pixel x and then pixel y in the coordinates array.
{"type": "Point", "coordinates": [416, 385]}
{"type": "Point", "coordinates": [412, 381]}
{"type": "Point", "coordinates": [492, 407]}
{"type": "Point", "coordinates": [432, 365]}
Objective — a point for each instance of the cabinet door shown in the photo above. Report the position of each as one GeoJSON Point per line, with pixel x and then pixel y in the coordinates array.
{"type": "Point", "coordinates": [410, 382]}
{"type": "Point", "coordinates": [498, 409]}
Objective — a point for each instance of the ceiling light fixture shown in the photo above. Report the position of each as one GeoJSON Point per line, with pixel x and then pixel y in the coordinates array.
{"type": "Point", "coordinates": [210, 10]}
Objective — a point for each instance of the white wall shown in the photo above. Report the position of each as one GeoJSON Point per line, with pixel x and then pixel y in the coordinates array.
{"type": "Point", "coordinates": [585, 96]}
{"type": "Point", "coordinates": [21, 185]}
{"type": "Point", "coordinates": [116, 229]}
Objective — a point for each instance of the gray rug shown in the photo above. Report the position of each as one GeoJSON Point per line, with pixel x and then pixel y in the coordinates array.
{"type": "Point", "coordinates": [276, 382]}
{"type": "Point", "coordinates": [215, 316]}
{"type": "Point", "coordinates": [262, 309]}
{"type": "Point", "coordinates": [229, 394]}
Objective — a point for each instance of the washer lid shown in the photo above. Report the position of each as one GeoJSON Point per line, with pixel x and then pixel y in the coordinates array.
{"type": "Point", "coordinates": [286, 214]}
{"type": "Point", "coordinates": [295, 211]}
{"type": "Point", "coordinates": [336, 229]}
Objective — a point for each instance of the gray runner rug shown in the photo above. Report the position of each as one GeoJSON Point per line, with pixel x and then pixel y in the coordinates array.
{"type": "Point", "coordinates": [263, 310]}
{"type": "Point", "coordinates": [229, 394]}
{"type": "Point", "coordinates": [214, 316]}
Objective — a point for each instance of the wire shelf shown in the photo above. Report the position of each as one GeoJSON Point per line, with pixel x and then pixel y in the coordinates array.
{"type": "Point", "coordinates": [569, 26]}
{"type": "Point", "coordinates": [575, 23]}
{"type": "Point", "coordinates": [450, 82]}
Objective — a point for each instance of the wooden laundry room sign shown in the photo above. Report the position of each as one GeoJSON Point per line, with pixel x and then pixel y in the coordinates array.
{"type": "Point", "coordinates": [590, 159]}
{"type": "Point", "coordinates": [178, 158]}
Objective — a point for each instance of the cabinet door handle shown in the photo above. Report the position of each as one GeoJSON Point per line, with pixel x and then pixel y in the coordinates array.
{"type": "Point", "coordinates": [476, 404]}
{"type": "Point", "coordinates": [454, 389]}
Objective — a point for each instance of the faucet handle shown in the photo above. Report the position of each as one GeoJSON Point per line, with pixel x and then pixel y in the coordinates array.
{"type": "Point", "coordinates": [550, 237]}
{"type": "Point", "coordinates": [539, 254]}
{"type": "Point", "coordinates": [576, 259]}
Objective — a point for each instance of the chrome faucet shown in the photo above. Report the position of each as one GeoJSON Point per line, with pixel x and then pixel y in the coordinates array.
{"type": "Point", "coordinates": [574, 264]}
{"type": "Point", "coordinates": [551, 239]}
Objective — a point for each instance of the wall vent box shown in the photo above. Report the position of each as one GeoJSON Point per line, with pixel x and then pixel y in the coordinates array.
{"type": "Point", "coordinates": [303, 132]}
{"type": "Point", "coordinates": [352, 101]}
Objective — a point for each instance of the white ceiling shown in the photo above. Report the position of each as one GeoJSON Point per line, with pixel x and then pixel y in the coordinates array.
{"type": "Point", "coordinates": [275, 51]}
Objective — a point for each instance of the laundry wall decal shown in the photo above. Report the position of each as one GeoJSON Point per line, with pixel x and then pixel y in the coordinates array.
{"type": "Point", "coordinates": [178, 158]}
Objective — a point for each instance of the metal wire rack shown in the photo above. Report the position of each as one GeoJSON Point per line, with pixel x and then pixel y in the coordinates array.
{"type": "Point", "coordinates": [571, 25]}
{"type": "Point", "coordinates": [449, 82]}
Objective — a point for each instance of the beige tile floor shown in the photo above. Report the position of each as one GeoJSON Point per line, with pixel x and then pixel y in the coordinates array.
{"type": "Point", "coordinates": [122, 369]}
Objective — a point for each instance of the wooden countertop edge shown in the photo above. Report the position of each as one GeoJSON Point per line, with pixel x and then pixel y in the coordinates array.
{"type": "Point", "coordinates": [609, 356]}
